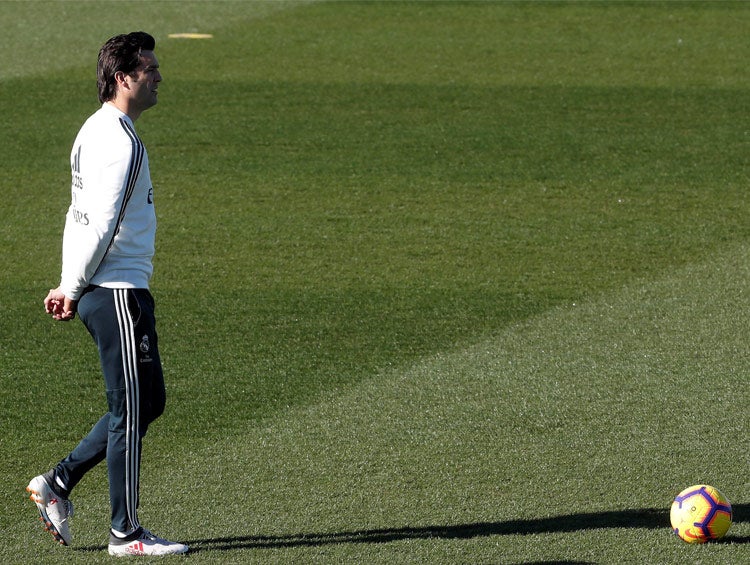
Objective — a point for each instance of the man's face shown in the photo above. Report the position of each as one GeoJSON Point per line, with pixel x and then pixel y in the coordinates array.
{"type": "Point", "coordinates": [145, 81]}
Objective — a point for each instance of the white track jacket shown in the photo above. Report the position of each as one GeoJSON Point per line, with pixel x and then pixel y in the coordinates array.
{"type": "Point", "coordinates": [111, 224]}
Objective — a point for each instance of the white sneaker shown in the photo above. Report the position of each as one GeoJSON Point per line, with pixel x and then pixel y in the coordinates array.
{"type": "Point", "coordinates": [54, 510]}
{"type": "Point", "coordinates": [144, 543]}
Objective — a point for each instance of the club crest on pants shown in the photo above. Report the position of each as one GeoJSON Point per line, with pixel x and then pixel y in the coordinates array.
{"type": "Point", "coordinates": [145, 347]}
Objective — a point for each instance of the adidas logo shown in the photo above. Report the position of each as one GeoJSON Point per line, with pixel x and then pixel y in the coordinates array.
{"type": "Point", "coordinates": [136, 548]}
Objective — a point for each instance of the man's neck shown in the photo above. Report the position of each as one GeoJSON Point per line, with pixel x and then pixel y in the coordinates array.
{"type": "Point", "coordinates": [125, 108]}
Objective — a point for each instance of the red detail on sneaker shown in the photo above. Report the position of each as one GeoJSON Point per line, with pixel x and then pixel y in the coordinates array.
{"type": "Point", "coordinates": [136, 548]}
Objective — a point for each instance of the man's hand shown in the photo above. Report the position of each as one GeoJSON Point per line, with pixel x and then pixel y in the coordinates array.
{"type": "Point", "coordinates": [59, 306]}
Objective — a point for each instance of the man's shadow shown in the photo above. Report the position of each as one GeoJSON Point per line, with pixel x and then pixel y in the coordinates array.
{"type": "Point", "coordinates": [651, 518]}
{"type": "Point", "coordinates": [644, 518]}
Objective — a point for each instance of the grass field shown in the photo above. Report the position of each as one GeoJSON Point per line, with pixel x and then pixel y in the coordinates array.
{"type": "Point", "coordinates": [451, 282]}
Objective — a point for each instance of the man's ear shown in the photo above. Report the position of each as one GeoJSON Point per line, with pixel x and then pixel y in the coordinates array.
{"type": "Point", "coordinates": [121, 79]}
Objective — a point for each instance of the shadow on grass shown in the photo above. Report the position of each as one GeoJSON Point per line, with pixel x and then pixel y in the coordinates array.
{"type": "Point", "coordinates": [644, 518]}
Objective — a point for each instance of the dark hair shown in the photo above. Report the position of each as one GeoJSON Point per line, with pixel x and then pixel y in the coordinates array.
{"type": "Point", "coordinates": [120, 53]}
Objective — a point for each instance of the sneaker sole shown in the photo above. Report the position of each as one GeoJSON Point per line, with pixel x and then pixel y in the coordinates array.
{"type": "Point", "coordinates": [37, 499]}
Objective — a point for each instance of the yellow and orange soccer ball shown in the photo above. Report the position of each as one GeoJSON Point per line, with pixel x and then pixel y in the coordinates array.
{"type": "Point", "coordinates": [700, 513]}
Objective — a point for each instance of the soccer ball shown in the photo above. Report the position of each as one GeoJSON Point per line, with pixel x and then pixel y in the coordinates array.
{"type": "Point", "coordinates": [700, 513]}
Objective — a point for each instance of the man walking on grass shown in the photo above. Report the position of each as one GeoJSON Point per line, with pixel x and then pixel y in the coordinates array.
{"type": "Point", "coordinates": [108, 244]}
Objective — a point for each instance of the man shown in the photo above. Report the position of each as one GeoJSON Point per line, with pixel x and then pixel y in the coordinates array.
{"type": "Point", "coordinates": [108, 244]}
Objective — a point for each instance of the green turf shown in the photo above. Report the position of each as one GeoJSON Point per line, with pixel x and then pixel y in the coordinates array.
{"type": "Point", "coordinates": [436, 282]}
